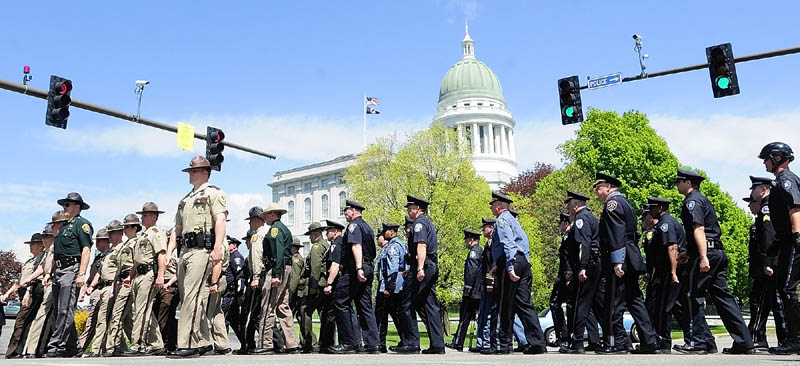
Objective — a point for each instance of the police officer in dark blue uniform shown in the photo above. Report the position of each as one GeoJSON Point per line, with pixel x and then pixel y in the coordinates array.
{"type": "Point", "coordinates": [583, 255]}
{"type": "Point", "coordinates": [562, 292]}
{"type": "Point", "coordinates": [471, 294]}
{"type": "Point", "coordinates": [487, 311]}
{"type": "Point", "coordinates": [419, 294]}
{"type": "Point", "coordinates": [234, 292]}
{"type": "Point", "coordinates": [784, 208]}
{"type": "Point", "coordinates": [707, 272]}
{"type": "Point", "coordinates": [391, 265]}
{"type": "Point", "coordinates": [512, 269]}
{"type": "Point", "coordinates": [355, 282]}
{"type": "Point", "coordinates": [669, 240]}
{"type": "Point", "coordinates": [763, 253]}
{"type": "Point", "coordinates": [622, 265]}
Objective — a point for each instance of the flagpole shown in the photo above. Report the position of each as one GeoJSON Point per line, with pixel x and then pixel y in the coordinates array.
{"type": "Point", "coordinates": [364, 110]}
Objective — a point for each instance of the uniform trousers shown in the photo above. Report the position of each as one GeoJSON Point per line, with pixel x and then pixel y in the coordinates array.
{"type": "Point", "coordinates": [466, 314]}
{"type": "Point", "coordinates": [665, 306]}
{"type": "Point", "coordinates": [41, 325]}
{"type": "Point", "coordinates": [91, 322]}
{"type": "Point", "coordinates": [216, 318]}
{"type": "Point", "coordinates": [763, 299]}
{"type": "Point", "coordinates": [304, 321]}
{"type": "Point", "coordinates": [64, 340]}
{"type": "Point", "coordinates": [420, 296]}
{"type": "Point", "coordinates": [193, 268]}
{"type": "Point", "coordinates": [350, 291]}
{"type": "Point", "coordinates": [22, 322]}
{"type": "Point", "coordinates": [104, 305]}
{"type": "Point", "coordinates": [121, 323]}
{"type": "Point", "coordinates": [146, 333]}
{"type": "Point", "coordinates": [558, 296]}
{"type": "Point", "coordinates": [589, 297]}
{"type": "Point", "coordinates": [165, 306]}
{"type": "Point", "coordinates": [515, 298]}
{"type": "Point", "coordinates": [233, 316]}
{"type": "Point", "coordinates": [275, 303]}
{"type": "Point", "coordinates": [788, 277]}
{"type": "Point", "coordinates": [622, 293]}
{"type": "Point", "coordinates": [386, 305]}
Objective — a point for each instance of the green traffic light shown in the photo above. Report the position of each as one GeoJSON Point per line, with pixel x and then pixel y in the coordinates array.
{"type": "Point", "coordinates": [723, 82]}
{"type": "Point", "coordinates": [569, 111]}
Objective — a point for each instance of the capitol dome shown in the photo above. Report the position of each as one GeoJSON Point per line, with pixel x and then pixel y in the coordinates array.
{"type": "Point", "coordinates": [470, 77]}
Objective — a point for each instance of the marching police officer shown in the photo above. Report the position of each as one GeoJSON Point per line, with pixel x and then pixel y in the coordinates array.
{"type": "Point", "coordinates": [582, 248]}
{"type": "Point", "coordinates": [473, 282]}
{"type": "Point", "coordinates": [783, 206]}
{"type": "Point", "coordinates": [200, 223]}
{"type": "Point", "coordinates": [420, 287]}
{"type": "Point", "coordinates": [29, 303]}
{"type": "Point", "coordinates": [668, 241]}
{"type": "Point", "coordinates": [92, 282]}
{"type": "Point", "coordinates": [167, 300]}
{"type": "Point", "coordinates": [71, 251]}
{"type": "Point", "coordinates": [105, 287]}
{"type": "Point", "coordinates": [391, 264]}
{"type": "Point", "coordinates": [328, 318]}
{"type": "Point", "coordinates": [317, 269]}
{"type": "Point", "coordinates": [148, 258]}
{"type": "Point", "coordinates": [233, 298]}
{"type": "Point", "coordinates": [355, 282]}
{"type": "Point", "coordinates": [562, 291]}
{"type": "Point", "coordinates": [41, 327]}
{"type": "Point", "coordinates": [217, 329]}
{"type": "Point", "coordinates": [486, 339]}
{"type": "Point", "coordinates": [256, 265]}
{"type": "Point", "coordinates": [512, 270]}
{"type": "Point", "coordinates": [298, 294]}
{"type": "Point", "coordinates": [621, 255]}
{"type": "Point", "coordinates": [707, 269]}
{"type": "Point", "coordinates": [275, 291]}
{"type": "Point", "coordinates": [121, 323]}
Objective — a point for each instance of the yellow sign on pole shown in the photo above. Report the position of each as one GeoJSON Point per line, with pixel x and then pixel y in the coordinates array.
{"type": "Point", "coordinates": [185, 136]}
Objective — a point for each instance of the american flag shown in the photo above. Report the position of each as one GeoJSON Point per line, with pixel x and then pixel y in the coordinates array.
{"type": "Point", "coordinates": [373, 101]}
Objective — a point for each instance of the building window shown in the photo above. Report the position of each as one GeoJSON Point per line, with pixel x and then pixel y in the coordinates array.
{"type": "Point", "coordinates": [307, 204]}
{"type": "Point", "coordinates": [340, 180]}
{"type": "Point", "coordinates": [342, 202]}
{"type": "Point", "coordinates": [325, 206]}
{"type": "Point", "coordinates": [290, 191]}
{"type": "Point", "coordinates": [482, 137]}
{"type": "Point", "coordinates": [290, 210]}
{"type": "Point", "coordinates": [466, 104]}
{"type": "Point", "coordinates": [307, 187]}
{"type": "Point", "coordinates": [497, 138]}
{"type": "Point", "coordinates": [323, 183]}
{"type": "Point", "coordinates": [480, 103]}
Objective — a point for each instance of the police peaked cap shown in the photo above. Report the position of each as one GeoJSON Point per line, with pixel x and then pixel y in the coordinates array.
{"type": "Point", "coordinates": [605, 178]}
{"type": "Point", "coordinates": [657, 201]}
{"type": "Point", "coordinates": [411, 200]}
{"type": "Point", "coordinates": [757, 181]}
{"type": "Point", "coordinates": [563, 217]}
{"type": "Point", "coordinates": [233, 240]}
{"type": "Point", "coordinates": [497, 196]}
{"type": "Point", "coordinates": [469, 234]}
{"type": "Point", "coordinates": [330, 224]}
{"type": "Point", "coordinates": [389, 226]}
{"type": "Point", "coordinates": [575, 196]}
{"type": "Point", "coordinates": [248, 235]}
{"type": "Point", "coordinates": [354, 204]}
{"type": "Point", "coordinates": [489, 222]}
{"type": "Point", "coordinates": [747, 199]}
{"type": "Point", "coordinates": [690, 176]}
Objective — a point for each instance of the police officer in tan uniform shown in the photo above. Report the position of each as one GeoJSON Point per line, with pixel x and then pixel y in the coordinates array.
{"type": "Point", "coordinates": [148, 257]}
{"type": "Point", "coordinates": [41, 326]}
{"type": "Point", "coordinates": [103, 285]}
{"type": "Point", "coordinates": [166, 303]}
{"type": "Point", "coordinates": [255, 259]}
{"type": "Point", "coordinates": [28, 306]}
{"type": "Point", "coordinates": [217, 283]}
{"type": "Point", "coordinates": [200, 229]}
{"type": "Point", "coordinates": [102, 245]}
{"type": "Point", "coordinates": [121, 316]}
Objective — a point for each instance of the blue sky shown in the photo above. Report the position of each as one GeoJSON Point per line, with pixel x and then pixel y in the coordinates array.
{"type": "Point", "coordinates": [288, 78]}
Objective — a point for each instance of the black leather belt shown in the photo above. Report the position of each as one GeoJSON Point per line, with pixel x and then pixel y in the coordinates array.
{"type": "Point", "coordinates": [143, 268]}
{"type": "Point", "coordinates": [65, 262]}
{"type": "Point", "coordinates": [105, 283]}
{"type": "Point", "coordinates": [714, 244]}
{"type": "Point", "coordinates": [124, 274]}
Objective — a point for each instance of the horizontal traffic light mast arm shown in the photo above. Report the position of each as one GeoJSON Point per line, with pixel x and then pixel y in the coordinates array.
{"type": "Point", "coordinates": [753, 57]}
{"type": "Point", "coordinates": [39, 93]}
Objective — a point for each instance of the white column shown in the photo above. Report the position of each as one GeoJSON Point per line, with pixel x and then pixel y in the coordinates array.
{"type": "Point", "coordinates": [503, 141]}
{"type": "Point", "coordinates": [460, 129]}
{"type": "Point", "coordinates": [490, 138]}
{"type": "Point", "coordinates": [476, 140]}
{"type": "Point", "coordinates": [511, 145]}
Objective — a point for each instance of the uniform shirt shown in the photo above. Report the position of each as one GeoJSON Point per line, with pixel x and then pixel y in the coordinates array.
{"type": "Point", "coordinates": [617, 226]}
{"type": "Point", "coordinates": [358, 232]}
{"type": "Point", "coordinates": [171, 269]}
{"type": "Point", "coordinates": [27, 270]}
{"type": "Point", "coordinates": [72, 237]}
{"type": "Point", "coordinates": [486, 260]}
{"type": "Point", "coordinates": [47, 262]}
{"type": "Point", "coordinates": [318, 257]}
{"type": "Point", "coordinates": [766, 243]}
{"type": "Point", "coordinates": [196, 211]}
{"type": "Point", "coordinates": [563, 258]}
{"type": "Point", "coordinates": [785, 195]}
{"type": "Point", "coordinates": [108, 268]}
{"type": "Point", "coordinates": [391, 264]}
{"type": "Point", "coordinates": [472, 273]}
{"type": "Point", "coordinates": [422, 232]}
{"type": "Point", "coordinates": [298, 284]}
{"type": "Point", "coordinates": [582, 237]}
{"type": "Point", "coordinates": [256, 254]}
{"type": "Point", "coordinates": [152, 242]}
{"type": "Point", "coordinates": [334, 256]}
{"type": "Point", "coordinates": [234, 276]}
{"type": "Point", "coordinates": [280, 242]}
{"type": "Point", "coordinates": [508, 239]}
{"type": "Point", "coordinates": [647, 247]}
{"type": "Point", "coordinates": [667, 232]}
{"type": "Point", "coordinates": [97, 265]}
{"type": "Point", "coordinates": [124, 257]}
{"type": "Point", "coordinates": [698, 210]}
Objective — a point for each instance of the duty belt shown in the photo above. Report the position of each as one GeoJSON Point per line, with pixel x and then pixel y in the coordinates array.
{"type": "Point", "coordinates": [102, 284]}
{"type": "Point", "coordinates": [143, 268]}
{"type": "Point", "coordinates": [124, 274]}
{"type": "Point", "coordinates": [714, 244]}
{"type": "Point", "coordinates": [65, 262]}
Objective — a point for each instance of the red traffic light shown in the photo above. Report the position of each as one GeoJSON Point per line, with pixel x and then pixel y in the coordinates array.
{"type": "Point", "coordinates": [216, 136]}
{"type": "Point", "coordinates": [63, 87]}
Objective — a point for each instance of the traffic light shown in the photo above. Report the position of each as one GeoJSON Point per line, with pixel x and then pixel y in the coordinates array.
{"type": "Point", "coordinates": [722, 67]}
{"type": "Point", "coordinates": [58, 101]}
{"type": "Point", "coordinates": [570, 96]}
{"type": "Point", "coordinates": [214, 147]}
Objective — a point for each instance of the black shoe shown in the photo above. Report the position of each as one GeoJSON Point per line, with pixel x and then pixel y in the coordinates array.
{"type": "Point", "coordinates": [326, 350]}
{"type": "Point", "coordinates": [576, 350]}
{"type": "Point", "coordinates": [260, 351]}
{"type": "Point", "coordinates": [344, 349]}
{"type": "Point", "coordinates": [711, 349]}
{"type": "Point", "coordinates": [132, 353]}
{"type": "Point", "coordinates": [644, 349]}
{"type": "Point", "coordinates": [46, 355]}
{"type": "Point", "coordinates": [288, 351]}
{"type": "Point", "coordinates": [383, 349]}
{"type": "Point", "coordinates": [454, 347]}
{"type": "Point", "coordinates": [787, 348]}
{"type": "Point", "coordinates": [17, 355]}
{"type": "Point", "coordinates": [107, 354]}
{"type": "Point", "coordinates": [535, 350]}
{"type": "Point", "coordinates": [522, 348]}
{"type": "Point", "coordinates": [184, 353]}
{"type": "Point", "coordinates": [737, 350]}
{"type": "Point", "coordinates": [433, 351]}
{"type": "Point", "coordinates": [487, 351]}
{"type": "Point", "coordinates": [690, 350]}
{"type": "Point", "coordinates": [240, 351]}
{"type": "Point", "coordinates": [393, 348]}
{"type": "Point", "coordinates": [592, 347]}
{"type": "Point", "coordinates": [407, 350]}
{"type": "Point", "coordinates": [223, 351]}
{"type": "Point", "coordinates": [474, 349]}
{"type": "Point", "coordinates": [205, 349]}
{"type": "Point", "coordinates": [758, 346]}
{"type": "Point", "coordinates": [608, 350]}
{"type": "Point", "coordinates": [369, 350]}
{"type": "Point", "coordinates": [504, 351]}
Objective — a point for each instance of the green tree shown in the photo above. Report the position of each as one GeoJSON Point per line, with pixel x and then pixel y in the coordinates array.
{"type": "Point", "coordinates": [434, 165]}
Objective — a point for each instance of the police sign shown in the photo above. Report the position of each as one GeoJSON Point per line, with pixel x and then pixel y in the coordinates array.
{"type": "Point", "coordinates": [605, 81]}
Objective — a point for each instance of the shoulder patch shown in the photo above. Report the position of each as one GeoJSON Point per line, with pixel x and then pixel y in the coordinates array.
{"type": "Point", "coordinates": [417, 227]}
{"type": "Point", "coordinates": [649, 235]}
{"type": "Point", "coordinates": [690, 205]}
{"type": "Point", "coordinates": [274, 232]}
{"type": "Point", "coordinates": [472, 255]}
{"type": "Point", "coordinates": [501, 222]}
{"type": "Point", "coordinates": [766, 217]}
{"type": "Point", "coordinates": [86, 228]}
{"type": "Point", "coordinates": [664, 227]}
{"type": "Point", "coordinates": [392, 250]}
{"type": "Point", "coordinates": [254, 238]}
{"type": "Point", "coordinates": [579, 223]}
{"type": "Point", "coordinates": [611, 205]}
{"type": "Point", "coordinates": [787, 185]}
{"type": "Point", "coordinates": [352, 228]}
{"type": "Point", "coordinates": [765, 210]}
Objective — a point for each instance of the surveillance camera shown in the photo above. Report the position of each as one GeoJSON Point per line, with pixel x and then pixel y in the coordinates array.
{"type": "Point", "coordinates": [142, 82]}
{"type": "Point", "coordinates": [637, 37]}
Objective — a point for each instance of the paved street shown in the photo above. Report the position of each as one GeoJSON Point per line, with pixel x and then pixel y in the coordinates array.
{"type": "Point", "coordinates": [451, 358]}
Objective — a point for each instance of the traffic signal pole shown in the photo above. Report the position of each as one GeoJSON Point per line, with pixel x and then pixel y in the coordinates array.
{"type": "Point", "coordinates": [42, 94]}
{"type": "Point", "coordinates": [753, 57]}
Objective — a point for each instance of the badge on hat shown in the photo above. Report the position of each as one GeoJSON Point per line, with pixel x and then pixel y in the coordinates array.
{"type": "Point", "coordinates": [611, 205]}
{"type": "Point", "coordinates": [579, 223]}
{"type": "Point", "coordinates": [690, 205]}
{"type": "Point", "coordinates": [664, 227]}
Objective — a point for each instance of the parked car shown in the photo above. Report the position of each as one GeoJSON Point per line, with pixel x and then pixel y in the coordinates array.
{"type": "Point", "coordinates": [11, 309]}
{"type": "Point", "coordinates": [546, 321]}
